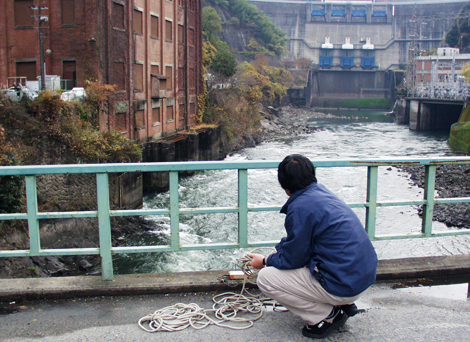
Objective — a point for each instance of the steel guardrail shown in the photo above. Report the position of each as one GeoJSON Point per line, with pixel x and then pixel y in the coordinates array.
{"type": "Point", "coordinates": [104, 213]}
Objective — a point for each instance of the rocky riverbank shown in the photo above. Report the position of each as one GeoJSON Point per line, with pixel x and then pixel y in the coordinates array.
{"type": "Point", "coordinates": [284, 121]}
{"type": "Point", "coordinates": [291, 120]}
{"type": "Point", "coordinates": [451, 181]}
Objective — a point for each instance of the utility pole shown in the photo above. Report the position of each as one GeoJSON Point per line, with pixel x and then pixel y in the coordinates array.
{"type": "Point", "coordinates": [41, 18]}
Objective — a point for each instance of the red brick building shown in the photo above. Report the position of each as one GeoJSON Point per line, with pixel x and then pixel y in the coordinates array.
{"type": "Point", "coordinates": [150, 49]}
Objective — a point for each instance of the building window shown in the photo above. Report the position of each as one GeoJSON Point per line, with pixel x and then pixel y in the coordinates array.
{"type": "Point", "coordinates": [121, 122]}
{"type": "Point", "coordinates": [118, 16]}
{"type": "Point", "coordinates": [192, 78]}
{"type": "Point", "coordinates": [68, 12]}
{"type": "Point", "coordinates": [169, 113]}
{"type": "Point", "coordinates": [168, 30]}
{"type": "Point", "coordinates": [154, 69]}
{"type": "Point", "coordinates": [154, 21]}
{"type": "Point", "coordinates": [181, 79]}
{"type": "Point", "coordinates": [168, 74]}
{"type": "Point", "coordinates": [69, 74]}
{"type": "Point", "coordinates": [181, 34]}
{"type": "Point", "coordinates": [138, 77]}
{"type": "Point", "coordinates": [139, 119]}
{"type": "Point", "coordinates": [118, 75]}
{"type": "Point", "coordinates": [138, 19]}
{"type": "Point", "coordinates": [192, 108]}
{"type": "Point", "coordinates": [24, 13]}
{"type": "Point", "coordinates": [156, 114]}
{"type": "Point", "coordinates": [192, 4]}
{"type": "Point", "coordinates": [26, 69]}
{"type": "Point", "coordinates": [191, 36]}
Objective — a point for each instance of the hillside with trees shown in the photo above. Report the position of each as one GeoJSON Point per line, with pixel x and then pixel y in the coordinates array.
{"type": "Point", "coordinates": [240, 43]}
{"type": "Point", "coordinates": [248, 30]}
{"type": "Point", "coordinates": [459, 34]}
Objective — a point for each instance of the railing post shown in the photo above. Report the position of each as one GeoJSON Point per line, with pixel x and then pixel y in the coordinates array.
{"type": "Point", "coordinates": [243, 207]}
{"type": "Point", "coordinates": [428, 208]}
{"type": "Point", "coordinates": [102, 193]}
{"type": "Point", "coordinates": [371, 209]}
{"type": "Point", "coordinates": [174, 211]}
{"type": "Point", "coordinates": [32, 209]}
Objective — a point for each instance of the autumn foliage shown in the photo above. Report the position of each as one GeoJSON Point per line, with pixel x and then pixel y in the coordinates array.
{"type": "Point", "coordinates": [239, 105]}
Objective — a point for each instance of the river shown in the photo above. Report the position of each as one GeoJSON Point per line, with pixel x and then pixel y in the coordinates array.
{"type": "Point", "coordinates": [345, 134]}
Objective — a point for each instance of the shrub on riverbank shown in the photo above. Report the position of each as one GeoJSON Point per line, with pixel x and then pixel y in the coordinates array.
{"type": "Point", "coordinates": [11, 194]}
{"type": "Point", "coordinates": [51, 131]}
{"type": "Point", "coordinates": [238, 106]}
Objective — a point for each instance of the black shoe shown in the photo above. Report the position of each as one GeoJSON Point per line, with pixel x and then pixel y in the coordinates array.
{"type": "Point", "coordinates": [323, 329]}
{"type": "Point", "coordinates": [351, 309]}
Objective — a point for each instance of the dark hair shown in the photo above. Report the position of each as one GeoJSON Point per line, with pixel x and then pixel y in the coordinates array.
{"type": "Point", "coordinates": [295, 172]}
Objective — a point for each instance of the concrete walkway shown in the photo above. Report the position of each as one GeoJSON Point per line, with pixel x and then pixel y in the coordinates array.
{"type": "Point", "coordinates": [88, 309]}
{"type": "Point", "coordinates": [391, 315]}
{"type": "Point", "coordinates": [410, 271]}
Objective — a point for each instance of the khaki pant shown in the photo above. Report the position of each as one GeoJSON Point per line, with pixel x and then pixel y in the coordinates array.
{"type": "Point", "coordinates": [298, 291]}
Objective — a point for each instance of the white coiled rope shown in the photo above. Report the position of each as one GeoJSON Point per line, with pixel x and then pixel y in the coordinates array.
{"type": "Point", "coordinates": [226, 308]}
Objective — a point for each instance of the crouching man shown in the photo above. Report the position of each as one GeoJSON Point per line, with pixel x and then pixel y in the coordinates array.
{"type": "Point", "coordinates": [325, 262]}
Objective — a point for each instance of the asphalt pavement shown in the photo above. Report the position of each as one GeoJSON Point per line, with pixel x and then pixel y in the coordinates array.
{"type": "Point", "coordinates": [410, 314]}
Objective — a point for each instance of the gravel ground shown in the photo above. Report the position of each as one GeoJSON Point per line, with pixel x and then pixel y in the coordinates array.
{"type": "Point", "coordinates": [291, 121]}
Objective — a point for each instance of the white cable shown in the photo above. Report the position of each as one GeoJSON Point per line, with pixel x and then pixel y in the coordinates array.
{"type": "Point", "coordinates": [226, 308]}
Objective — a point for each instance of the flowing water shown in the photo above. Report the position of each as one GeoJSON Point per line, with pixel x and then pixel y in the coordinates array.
{"type": "Point", "coordinates": [362, 134]}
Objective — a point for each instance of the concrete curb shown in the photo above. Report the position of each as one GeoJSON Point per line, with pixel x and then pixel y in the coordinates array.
{"type": "Point", "coordinates": [410, 271]}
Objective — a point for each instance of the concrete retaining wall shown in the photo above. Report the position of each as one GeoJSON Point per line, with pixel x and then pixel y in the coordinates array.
{"type": "Point", "coordinates": [204, 144]}
{"type": "Point", "coordinates": [78, 191]}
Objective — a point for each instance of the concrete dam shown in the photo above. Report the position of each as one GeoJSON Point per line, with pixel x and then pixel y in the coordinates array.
{"type": "Point", "coordinates": [359, 49]}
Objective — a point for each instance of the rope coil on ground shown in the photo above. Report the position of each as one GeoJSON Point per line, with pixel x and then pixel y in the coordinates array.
{"type": "Point", "coordinates": [226, 308]}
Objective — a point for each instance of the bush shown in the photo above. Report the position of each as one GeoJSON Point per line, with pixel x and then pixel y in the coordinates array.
{"type": "Point", "coordinates": [67, 135]}
{"type": "Point", "coordinates": [11, 187]}
{"type": "Point", "coordinates": [237, 108]}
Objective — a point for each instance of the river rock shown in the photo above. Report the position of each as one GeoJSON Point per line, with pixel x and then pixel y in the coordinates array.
{"type": "Point", "coordinates": [451, 181]}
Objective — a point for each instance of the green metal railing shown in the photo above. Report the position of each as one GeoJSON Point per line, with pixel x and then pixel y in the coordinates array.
{"type": "Point", "coordinates": [104, 213]}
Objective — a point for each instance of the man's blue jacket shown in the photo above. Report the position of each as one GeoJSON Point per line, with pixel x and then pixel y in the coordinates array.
{"type": "Point", "coordinates": [324, 234]}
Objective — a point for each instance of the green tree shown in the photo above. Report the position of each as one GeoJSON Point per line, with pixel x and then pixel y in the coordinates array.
{"type": "Point", "coordinates": [459, 34]}
{"type": "Point", "coordinates": [224, 61]}
{"type": "Point", "coordinates": [210, 23]}
{"type": "Point", "coordinates": [217, 4]}
{"type": "Point", "coordinates": [269, 38]}
{"type": "Point", "coordinates": [217, 55]}
{"type": "Point", "coordinates": [466, 71]}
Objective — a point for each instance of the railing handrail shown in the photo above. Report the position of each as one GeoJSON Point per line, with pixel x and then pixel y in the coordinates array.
{"type": "Point", "coordinates": [18, 170]}
{"type": "Point", "coordinates": [104, 213]}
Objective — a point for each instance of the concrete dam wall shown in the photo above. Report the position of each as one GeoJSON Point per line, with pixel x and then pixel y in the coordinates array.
{"type": "Point", "coordinates": [390, 33]}
{"type": "Point", "coordinates": [355, 48]}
